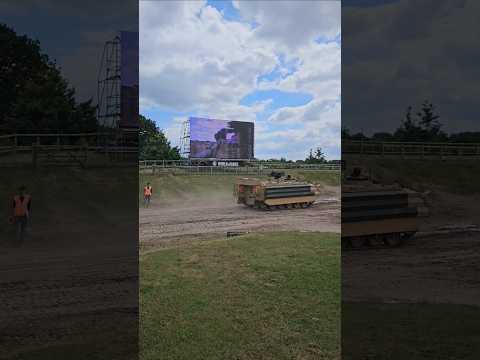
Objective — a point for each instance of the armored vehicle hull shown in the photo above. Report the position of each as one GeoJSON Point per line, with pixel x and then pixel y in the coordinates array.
{"type": "Point", "coordinates": [378, 217]}
{"type": "Point", "coordinates": [270, 195]}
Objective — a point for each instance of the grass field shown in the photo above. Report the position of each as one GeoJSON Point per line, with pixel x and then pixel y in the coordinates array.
{"type": "Point", "coordinates": [412, 331]}
{"type": "Point", "coordinates": [172, 188]}
{"type": "Point", "coordinates": [456, 176]}
{"type": "Point", "coordinates": [331, 178]}
{"type": "Point", "coordinates": [259, 296]}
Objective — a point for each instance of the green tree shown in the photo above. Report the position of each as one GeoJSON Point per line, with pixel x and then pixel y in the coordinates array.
{"type": "Point", "coordinates": [34, 95]}
{"type": "Point", "coordinates": [316, 157]}
{"type": "Point", "coordinates": [425, 127]}
{"type": "Point", "coordinates": [409, 129]}
{"type": "Point", "coordinates": [428, 119]}
{"type": "Point", "coordinates": [153, 144]}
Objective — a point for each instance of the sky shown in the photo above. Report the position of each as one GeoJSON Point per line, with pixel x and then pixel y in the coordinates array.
{"type": "Point", "coordinates": [277, 64]}
{"type": "Point", "coordinates": [400, 53]}
{"type": "Point", "coordinates": [72, 33]}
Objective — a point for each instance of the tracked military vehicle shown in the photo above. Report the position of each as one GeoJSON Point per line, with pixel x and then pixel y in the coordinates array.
{"type": "Point", "coordinates": [279, 192]}
{"type": "Point", "coordinates": [377, 215]}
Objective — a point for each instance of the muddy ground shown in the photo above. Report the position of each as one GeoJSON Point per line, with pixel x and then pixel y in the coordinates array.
{"type": "Point", "coordinates": [439, 265]}
{"type": "Point", "coordinates": [71, 289]}
{"type": "Point", "coordinates": [61, 296]}
{"type": "Point", "coordinates": [161, 224]}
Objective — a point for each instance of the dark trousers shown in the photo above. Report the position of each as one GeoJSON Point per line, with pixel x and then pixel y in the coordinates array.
{"type": "Point", "coordinates": [20, 228]}
{"type": "Point", "coordinates": [147, 200]}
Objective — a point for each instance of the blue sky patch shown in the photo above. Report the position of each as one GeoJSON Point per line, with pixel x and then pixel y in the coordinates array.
{"type": "Point", "coordinates": [282, 70]}
{"type": "Point", "coordinates": [162, 118]}
{"type": "Point", "coordinates": [230, 13]}
{"type": "Point", "coordinates": [325, 40]}
{"type": "Point", "coordinates": [279, 98]}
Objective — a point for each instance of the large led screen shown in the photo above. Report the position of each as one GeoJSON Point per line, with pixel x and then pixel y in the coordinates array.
{"type": "Point", "coordinates": [220, 139]}
{"type": "Point", "coordinates": [129, 79]}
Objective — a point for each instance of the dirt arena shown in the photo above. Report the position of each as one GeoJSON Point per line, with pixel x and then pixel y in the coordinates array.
{"type": "Point", "coordinates": [160, 223]}
{"type": "Point", "coordinates": [72, 286]}
{"type": "Point", "coordinates": [441, 264]}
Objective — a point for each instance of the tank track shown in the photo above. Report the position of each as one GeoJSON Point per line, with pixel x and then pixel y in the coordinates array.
{"type": "Point", "coordinates": [265, 207]}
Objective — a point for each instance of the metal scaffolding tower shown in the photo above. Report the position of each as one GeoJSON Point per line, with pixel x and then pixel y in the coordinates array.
{"type": "Point", "coordinates": [185, 139]}
{"type": "Point", "coordinates": [109, 85]}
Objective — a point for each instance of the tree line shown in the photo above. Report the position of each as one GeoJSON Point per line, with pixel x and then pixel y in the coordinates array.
{"type": "Point", "coordinates": [315, 156]}
{"type": "Point", "coordinates": [422, 125]}
{"type": "Point", "coordinates": [34, 96]}
{"type": "Point", "coordinates": [153, 144]}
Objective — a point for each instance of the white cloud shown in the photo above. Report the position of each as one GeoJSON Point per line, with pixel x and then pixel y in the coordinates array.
{"type": "Point", "coordinates": [292, 24]}
{"type": "Point", "coordinates": [199, 61]}
{"type": "Point", "coordinates": [318, 74]}
{"type": "Point", "coordinates": [320, 128]}
{"type": "Point", "coordinates": [194, 61]}
{"type": "Point", "coordinates": [408, 51]}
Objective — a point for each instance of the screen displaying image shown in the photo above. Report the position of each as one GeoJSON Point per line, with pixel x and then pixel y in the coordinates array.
{"type": "Point", "coordinates": [220, 139]}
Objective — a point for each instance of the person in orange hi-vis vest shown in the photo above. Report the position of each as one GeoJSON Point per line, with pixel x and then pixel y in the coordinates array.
{"type": "Point", "coordinates": [147, 194]}
{"type": "Point", "coordinates": [22, 205]}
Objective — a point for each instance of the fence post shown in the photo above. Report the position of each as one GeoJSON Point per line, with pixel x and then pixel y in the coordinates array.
{"type": "Point", "coordinates": [106, 150]}
{"type": "Point", "coordinates": [15, 144]}
{"type": "Point", "coordinates": [86, 154]}
{"type": "Point", "coordinates": [34, 155]}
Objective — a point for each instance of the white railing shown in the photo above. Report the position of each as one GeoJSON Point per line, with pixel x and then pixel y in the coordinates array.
{"type": "Point", "coordinates": [258, 164]}
{"type": "Point", "coordinates": [411, 149]}
{"type": "Point", "coordinates": [33, 148]}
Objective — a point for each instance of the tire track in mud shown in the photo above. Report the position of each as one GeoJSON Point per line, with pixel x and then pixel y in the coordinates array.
{"type": "Point", "coordinates": [161, 223]}
{"type": "Point", "coordinates": [437, 269]}
{"type": "Point", "coordinates": [50, 294]}
{"type": "Point", "coordinates": [441, 264]}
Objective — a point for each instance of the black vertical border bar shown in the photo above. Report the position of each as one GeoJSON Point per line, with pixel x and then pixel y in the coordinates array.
{"type": "Point", "coordinates": [70, 288]}
{"type": "Point", "coordinates": [420, 300]}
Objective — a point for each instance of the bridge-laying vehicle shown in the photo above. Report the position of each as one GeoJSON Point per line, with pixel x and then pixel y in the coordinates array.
{"type": "Point", "coordinates": [376, 214]}
{"type": "Point", "coordinates": [278, 192]}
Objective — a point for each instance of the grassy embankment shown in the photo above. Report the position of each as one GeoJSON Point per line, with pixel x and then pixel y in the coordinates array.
{"type": "Point", "coordinates": [171, 188]}
{"type": "Point", "coordinates": [71, 200]}
{"type": "Point", "coordinates": [456, 176]}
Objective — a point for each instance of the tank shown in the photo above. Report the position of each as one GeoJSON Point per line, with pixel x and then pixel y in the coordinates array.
{"type": "Point", "coordinates": [375, 215]}
{"type": "Point", "coordinates": [279, 192]}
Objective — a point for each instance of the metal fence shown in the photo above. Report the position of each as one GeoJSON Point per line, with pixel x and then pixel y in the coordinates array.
{"type": "Point", "coordinates": [77, 149]}
{"type": "Point", "coordinates": [252, 166]}
{"type": "Point", "coordinates": [203, 170]}
{"type": "Point", "coordinates": [420, 150]}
